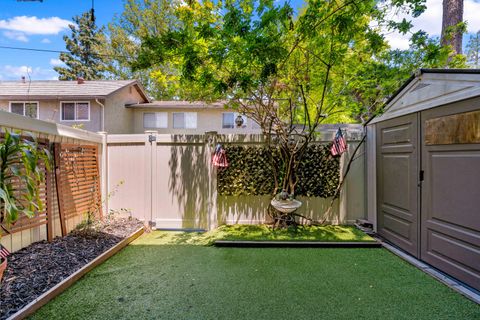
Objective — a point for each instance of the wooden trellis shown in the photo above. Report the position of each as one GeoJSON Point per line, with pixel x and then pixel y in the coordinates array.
{"type": "Point", "coordinates": [44, 217]}
{"type": "Point", "coordinates": [77, 181]}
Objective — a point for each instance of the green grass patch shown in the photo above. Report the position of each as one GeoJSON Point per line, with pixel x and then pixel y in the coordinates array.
{"type": "Point", "coordinates": [152, 279]}
{"type": "Point", "coordinates": [327, 233]}
{"type": "Point", "coordinates": [263, 233]}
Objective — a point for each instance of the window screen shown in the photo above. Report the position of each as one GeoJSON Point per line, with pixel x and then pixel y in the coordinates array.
{"type": "Point", "coordinates": [31, 109]}
{"type": "Point", "coordinates": [17, 108]}
{"type": "Point", "coordinates": [68, 111]}
{"type": "Point", "coordinates": [72, 111]}
{"type": "Point", "coordinates": [179, 120]}
{"type": "Point", "coordinates": [154, 120]}
{"type": "Point", "coordinates": [228, 120]}
{"type": "Point", "coordinates": [82, 111]}
{"type": "Point", "coordinates": [191, 120]}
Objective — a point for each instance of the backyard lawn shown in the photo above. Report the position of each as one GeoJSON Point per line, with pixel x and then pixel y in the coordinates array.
{"type": "Point", "coordinates": [165, 276]}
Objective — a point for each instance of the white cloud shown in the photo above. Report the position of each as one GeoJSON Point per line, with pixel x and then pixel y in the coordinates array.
{"type": "Point", "coordinates": [471, 9]}
{"type": "Point", "coordinates": [34, 25]}
{"type": "Point", "coordinates": [397, 41]}
{"type": "Point", "coordinates": [431, 22]}
{"type": "Point", "coordinates": [56, 62]}
{"type": "Point", "coordinates": [18, 28]}
{"type": "Point", "coordinates": [14, 35]}
{"type": "Point", "coordinates": [9, 72]}
{"type": "Point", "coordinates": [45, 40]}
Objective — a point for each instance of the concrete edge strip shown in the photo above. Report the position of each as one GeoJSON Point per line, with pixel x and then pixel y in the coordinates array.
{"type": "Point", "coordinates": [43, 299]}
{"type": "Point", "coordinates": [296, 244]}
{"type": "Point", "coordinates": [450, 282]}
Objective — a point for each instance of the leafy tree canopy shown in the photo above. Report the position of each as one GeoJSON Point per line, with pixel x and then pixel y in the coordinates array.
{"type": "Point", "coordinates": [330, 58]}
{"type": "Point", "coordinates": [140, 19]}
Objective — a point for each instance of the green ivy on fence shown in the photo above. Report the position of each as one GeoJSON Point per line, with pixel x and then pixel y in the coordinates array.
{"type": "Point", "coordinates": [250, 172]}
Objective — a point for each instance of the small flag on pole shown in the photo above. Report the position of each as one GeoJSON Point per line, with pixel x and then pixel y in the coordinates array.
{"type": "Point", "coordinates": [3, 252]}
{"type": "Point", "coordinates": [339, 144]}
{"type": "Point", "coordinates": [220, 157]}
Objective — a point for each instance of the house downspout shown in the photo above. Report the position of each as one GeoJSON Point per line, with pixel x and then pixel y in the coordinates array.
{"type": "Point", "coordinates": [103, 113]}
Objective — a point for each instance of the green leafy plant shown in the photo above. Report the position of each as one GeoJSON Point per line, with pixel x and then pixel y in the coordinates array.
{"type": "Point", "coordinates": [93, 215]}
{"type": "Point", "coordinates": [20, 177]}
{"type": "Point", "coordinates": [251, 169]}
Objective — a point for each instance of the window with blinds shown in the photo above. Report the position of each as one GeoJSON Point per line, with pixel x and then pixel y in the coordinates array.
{"type": "Point", "coordinates": [155, 120]}
{"type": "Point", "coordinates": [184, 120]}
{"type": "Point", "coordinates": [75, 111]}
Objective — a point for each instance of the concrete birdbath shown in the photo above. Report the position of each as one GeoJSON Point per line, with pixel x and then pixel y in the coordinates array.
{"type": "Point", "coordinates": [286, 206]}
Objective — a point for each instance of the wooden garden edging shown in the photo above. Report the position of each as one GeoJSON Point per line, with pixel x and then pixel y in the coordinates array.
{"type": "Point", "coordinates": [39, 302]}
{"type": "Point", "coordinates": [297, 244]}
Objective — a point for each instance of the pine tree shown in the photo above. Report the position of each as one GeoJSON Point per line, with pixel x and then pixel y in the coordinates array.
{"type": "Point", "coordinates": [83, 45]}
{"type": "Point", "coordinates": [473, 50]}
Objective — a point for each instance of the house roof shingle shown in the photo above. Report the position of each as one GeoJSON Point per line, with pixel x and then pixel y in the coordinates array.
{"type": "Point", "coordinates": [44, 89]}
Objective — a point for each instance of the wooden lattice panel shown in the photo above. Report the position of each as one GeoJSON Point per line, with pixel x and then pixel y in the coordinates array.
{"type": "Point", "coordinates": [41, 217]}
{"type": "Point", "coordinates": [78, 181]}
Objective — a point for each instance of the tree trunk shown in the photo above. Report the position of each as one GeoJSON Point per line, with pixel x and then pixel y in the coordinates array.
{"type": "Point", "coordinates": [452, 16]}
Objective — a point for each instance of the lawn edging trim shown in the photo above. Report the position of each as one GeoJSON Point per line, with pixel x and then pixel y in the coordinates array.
{"type": "Point", "coordinates": [297, 244]}
{"type": "Point", "coordinates": [43, 299]}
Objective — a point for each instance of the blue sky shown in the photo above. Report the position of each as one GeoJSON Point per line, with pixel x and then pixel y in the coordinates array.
{"type": "Point", "coordinates": [42, 24]}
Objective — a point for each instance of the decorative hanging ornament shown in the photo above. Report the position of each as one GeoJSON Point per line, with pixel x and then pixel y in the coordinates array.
{"type": "Point", "coordinates": [239, 121]}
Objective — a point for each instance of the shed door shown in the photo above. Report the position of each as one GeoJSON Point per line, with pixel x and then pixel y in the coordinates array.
{"type": "Point", "coordinates": [451, 190]}
{"type": "Point", "coordinates": [397, 182]}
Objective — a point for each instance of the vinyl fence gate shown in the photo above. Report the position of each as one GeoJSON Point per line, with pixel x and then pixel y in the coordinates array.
{"type": "Point", "coordinates": [161, 178]}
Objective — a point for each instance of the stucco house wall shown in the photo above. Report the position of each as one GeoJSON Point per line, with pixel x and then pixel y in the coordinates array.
{"type": "Point", "coordinates": [208, 119]}
{"type": "Point", "coordinates": [49, 110]}
{"type": "Point", "coordinates": [118, 118]}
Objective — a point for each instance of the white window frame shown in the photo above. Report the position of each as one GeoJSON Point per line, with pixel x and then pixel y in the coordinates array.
{"type": "Point", "coordinates": [155, 113]}
{"type": "Point", "coordinates": [75, 102]}
{"type": "Point", "coordinates": [38, 107]}
{"type": "Point", "coordinates": [235, 115]}
{"type": "Point", "coordinates": [185, 120]}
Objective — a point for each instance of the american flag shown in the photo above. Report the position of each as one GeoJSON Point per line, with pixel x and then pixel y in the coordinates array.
{"type": "Point", "coordinates": [220, 157]}
{"type": "Point", "coordinates": [339, 144]}
{"type": "Point", "coordinates": [3, 252]}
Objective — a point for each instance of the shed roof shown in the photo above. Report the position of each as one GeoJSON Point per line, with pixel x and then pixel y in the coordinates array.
{"type": "Point", "coordinates": [48, 89]}
{"type": "Point", "coordinates": [430, 88]}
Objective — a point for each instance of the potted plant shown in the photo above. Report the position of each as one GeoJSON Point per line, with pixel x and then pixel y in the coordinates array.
{"type": "Point", "coordinates": [20, 177]}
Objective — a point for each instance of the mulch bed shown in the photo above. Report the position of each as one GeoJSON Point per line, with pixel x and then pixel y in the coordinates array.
{"type": "Point", "coordinates": [40, 266]}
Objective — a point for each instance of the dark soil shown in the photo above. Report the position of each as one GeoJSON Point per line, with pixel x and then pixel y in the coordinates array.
{"type": "Point", "coordinates": [40, 266]}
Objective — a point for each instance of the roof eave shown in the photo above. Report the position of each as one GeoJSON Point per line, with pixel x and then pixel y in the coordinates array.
{"type": "Point", "coordinates": [25, 97]}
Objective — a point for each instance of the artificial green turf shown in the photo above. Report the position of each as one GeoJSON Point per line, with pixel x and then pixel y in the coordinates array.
{"type": "Point", "coordinates": [265, 233]}
{"type": "Point", "coordinates": [151, 280]}
{"type": "Point", "coordinates": [327, 233]}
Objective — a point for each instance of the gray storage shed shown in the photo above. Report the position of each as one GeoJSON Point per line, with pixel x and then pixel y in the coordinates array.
{"type": "Point", "coordinates": [423, 171]}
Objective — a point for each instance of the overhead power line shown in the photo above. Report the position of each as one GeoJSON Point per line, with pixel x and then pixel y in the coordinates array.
{"type": "Point", "coordinates": [59, 51]}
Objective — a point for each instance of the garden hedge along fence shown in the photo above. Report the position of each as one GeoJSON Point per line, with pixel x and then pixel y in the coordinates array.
{"type": "Point", "coordinates": [250, 172]}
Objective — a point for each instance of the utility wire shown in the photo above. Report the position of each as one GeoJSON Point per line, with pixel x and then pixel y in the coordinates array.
{"type": "Point", "coordinates": [60, 51]}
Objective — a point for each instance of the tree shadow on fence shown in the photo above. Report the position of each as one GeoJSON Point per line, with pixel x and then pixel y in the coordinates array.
{"type": "Point", "coordinates": [189, 184]}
